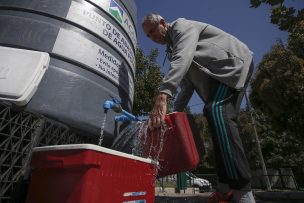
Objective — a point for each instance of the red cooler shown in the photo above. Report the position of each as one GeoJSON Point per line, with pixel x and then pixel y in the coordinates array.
{"type": "Point", "coordinates": [180, 151]}
{"type": "Point", "coordinates": [85, 173]}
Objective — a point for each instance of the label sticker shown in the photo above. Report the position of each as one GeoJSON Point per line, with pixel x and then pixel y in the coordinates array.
{"type": "Point", "coordinates": [136, 201]}
{"type": "Point", "coordinates": [126, 194]}
{"type": "Point", "coordinates": [74, 46]}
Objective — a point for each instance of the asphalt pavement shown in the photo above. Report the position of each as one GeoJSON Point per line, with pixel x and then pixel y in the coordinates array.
{"type": "Point", "coordinates": [191, 195]}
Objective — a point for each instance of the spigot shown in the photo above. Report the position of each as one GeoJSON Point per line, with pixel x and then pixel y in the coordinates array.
{"type": "Point", "coordinates": [114, 105]}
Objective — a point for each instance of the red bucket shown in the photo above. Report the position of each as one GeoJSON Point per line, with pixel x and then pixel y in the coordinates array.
{"type": "Point", "coordinates": [181, 143]}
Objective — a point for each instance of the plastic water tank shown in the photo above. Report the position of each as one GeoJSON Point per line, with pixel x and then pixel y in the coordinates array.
{"type": "Point", "coordinates": [92, 56]}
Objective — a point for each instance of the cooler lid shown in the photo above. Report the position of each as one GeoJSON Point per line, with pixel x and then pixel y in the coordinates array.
{"type": "Point", "coordinates": [20, 73]}
{"type": "Point", "coordinates": [95, 148]}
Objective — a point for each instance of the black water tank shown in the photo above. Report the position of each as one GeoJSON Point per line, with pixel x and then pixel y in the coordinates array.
{"type": "Point", "coordinates": [92, 47]}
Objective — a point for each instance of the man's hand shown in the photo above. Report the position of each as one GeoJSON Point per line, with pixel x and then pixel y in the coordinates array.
{"type": "Point", "coordinates": [157, 115]}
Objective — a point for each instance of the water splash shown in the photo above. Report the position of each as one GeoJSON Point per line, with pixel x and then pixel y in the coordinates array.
{"type": "Point", "coordinates": [154, 142]}
{"type": "Point", "coordinates": [103, 123]}
{"type": "Point", "coordinates": [126, 139]}
{"type": "Point", "coordinates": [138, 140]}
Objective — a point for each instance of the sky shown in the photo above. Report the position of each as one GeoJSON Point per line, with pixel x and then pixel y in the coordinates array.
{"type": "Point", "coordinates": [250, 25]}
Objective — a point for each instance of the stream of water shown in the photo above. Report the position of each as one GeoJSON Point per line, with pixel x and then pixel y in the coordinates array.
{"type": "Point", "coordinates": [137, 139]}
{"type": "Point", "coordinates": [103, 123]}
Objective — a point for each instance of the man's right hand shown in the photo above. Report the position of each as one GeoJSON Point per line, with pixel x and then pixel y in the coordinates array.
{"type": "Point", "coordinates": [157, 115]}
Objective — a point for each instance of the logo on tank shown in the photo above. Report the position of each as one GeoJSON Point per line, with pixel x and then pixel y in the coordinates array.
{"type": "Point", "coordinates": [116, 11]}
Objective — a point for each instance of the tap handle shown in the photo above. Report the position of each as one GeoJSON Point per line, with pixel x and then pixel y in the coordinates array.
{"type": "Point", "coordinates": [116, 101]}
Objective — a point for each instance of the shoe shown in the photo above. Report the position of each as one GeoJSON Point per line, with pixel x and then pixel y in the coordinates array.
{"type": "Point", "coordinates": [219, 197]}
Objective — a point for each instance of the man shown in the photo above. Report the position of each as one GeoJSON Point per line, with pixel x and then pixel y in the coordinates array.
{"type": "Point", "coordinates": [217, 66]}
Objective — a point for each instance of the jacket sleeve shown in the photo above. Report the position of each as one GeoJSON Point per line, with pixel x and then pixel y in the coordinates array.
{"type": "Point", "coordinates": [184, 95]}
{"type": "Point", "coordinates": [184, 37]}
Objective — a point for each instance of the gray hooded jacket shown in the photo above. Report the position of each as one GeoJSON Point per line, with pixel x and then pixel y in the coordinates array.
{"type": "Point", "coordinates": [199, 51]}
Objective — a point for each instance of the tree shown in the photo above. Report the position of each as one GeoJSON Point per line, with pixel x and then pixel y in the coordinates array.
{"type": "Point", "coordinates": [296, 40]}
{"type": "Point", "coordinates": [204, 131]}
{"type": "Point", "coordinates": [278, 89]}
{"type": "Point", "coordinates": [279, 149]}
{"type": "Point", "coordinates": [246, 134]}
{"type": "Point", "coordinates": [285, 17]}
{"type": "Point", "coordinates": [147, 80]}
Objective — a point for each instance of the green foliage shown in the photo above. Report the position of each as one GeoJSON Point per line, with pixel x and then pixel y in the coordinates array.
{"type": "Point", "coordinates": [147, 80]}
{"type": "Point", "coordinates": [279, 149]}
{"type": "Point", "coordinates": [278, 89]}
{"type": "Point", "coordinates": [296, 39]}
{"type": "Point", "coordinates": [283, 149]}
{"type": "Point", "coordinates": [202, 125]}
{"type": "Point", "coordinates": [284, 17]}
{"type": "Point", "coordinates": [247, 137]}
{"type": "Point", "coordinates": [187, 110]}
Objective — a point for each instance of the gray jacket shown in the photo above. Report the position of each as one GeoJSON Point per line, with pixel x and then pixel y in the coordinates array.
{"type": "Point", "coordinates": [199, 51]}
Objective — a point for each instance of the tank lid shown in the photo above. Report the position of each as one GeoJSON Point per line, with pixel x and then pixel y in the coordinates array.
{"type": "Point", "coordinates": [20, 73]}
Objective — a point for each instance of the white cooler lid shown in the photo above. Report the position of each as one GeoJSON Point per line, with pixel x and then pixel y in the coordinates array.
{"type": "Point", "coordinates": [20, 73]}
{"type": "Point", "coordinates": [92, 147]}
